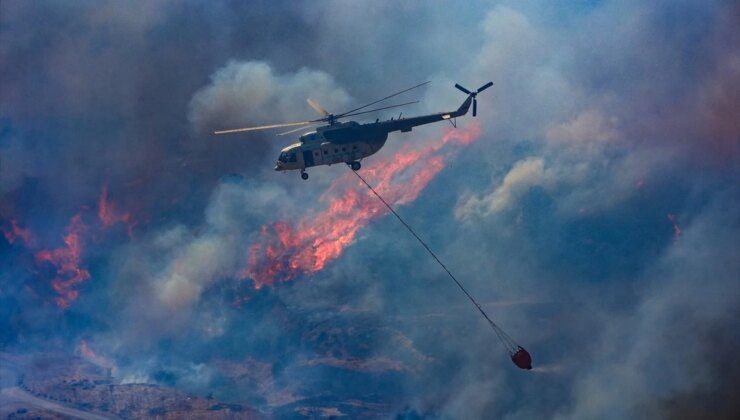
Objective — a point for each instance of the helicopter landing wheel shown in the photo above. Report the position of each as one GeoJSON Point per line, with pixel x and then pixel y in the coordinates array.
{"type": "Point", "coordinates": [355, 166]}
{"type": "Point", "coordinates": [304, 175]}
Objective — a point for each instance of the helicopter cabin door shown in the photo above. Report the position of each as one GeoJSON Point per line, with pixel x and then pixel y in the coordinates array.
{"type": "Point", "coordinates": [308, 158]}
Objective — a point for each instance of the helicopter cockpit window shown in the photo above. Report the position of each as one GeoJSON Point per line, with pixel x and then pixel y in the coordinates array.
{"type": "Point", "coordinates": [286, 157]}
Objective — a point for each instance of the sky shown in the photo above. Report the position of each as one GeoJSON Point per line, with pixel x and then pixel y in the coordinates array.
{"type": "Point", "coordinates": [591, 207]}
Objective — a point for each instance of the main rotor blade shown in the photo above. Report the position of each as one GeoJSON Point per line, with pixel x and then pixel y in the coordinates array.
{"type": "Point", "coordinates": [462, 89]}
{"type": "Point", "coordinates": [381, 100]}
{"type": "Point", "coordinates": [262, 127]}
{"type": "Point", "coordinates": [484, 87]}
{"type": "Point", "coordinates": [380, 109]}
{"type": "Point", "coordinates": [292, 131]}
{"type": "Point", "coordinates": [318, 108]}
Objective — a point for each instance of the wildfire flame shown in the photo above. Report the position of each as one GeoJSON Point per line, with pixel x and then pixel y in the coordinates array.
{"type": "Point", "coordinates": [285, 251]}
{"type": "Point", "coordinates": [108, 215]}
{"type": "Point", "coordinates": [86, 351]}
{"type": "Point", "coordinates": [66, 260]}
{"type": "Point", "coordinates": [15, 232]}
{"type": "Point", "coordinates": [88, 354]}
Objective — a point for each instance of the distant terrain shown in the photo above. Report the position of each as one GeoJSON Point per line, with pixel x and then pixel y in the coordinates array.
{"type": "Point", "coordinates": [55, 385]}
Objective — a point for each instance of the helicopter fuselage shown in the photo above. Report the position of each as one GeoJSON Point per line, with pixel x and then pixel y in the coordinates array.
{"type": "Point", "coordinates": [344, 142]}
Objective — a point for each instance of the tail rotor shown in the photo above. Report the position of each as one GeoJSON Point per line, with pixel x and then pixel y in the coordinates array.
{"type": "Point", "coordinates": [474, 94]}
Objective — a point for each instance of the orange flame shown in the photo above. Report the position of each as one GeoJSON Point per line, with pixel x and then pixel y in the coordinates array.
{"type": "Point", "coordinates": [108, 215]}
{"type": "Point", "coordinates": [284, 251]}
{"type": "Point", "coordinates": [16, 232]}
{"type": "Point", "coordinates": [67, 261]}
{"type": "Point", "coordinates": [88, 354]}
{"type": "Point", "coordinates": [676, 228]}
{"type": "Point", "coordinates": [86, 351]}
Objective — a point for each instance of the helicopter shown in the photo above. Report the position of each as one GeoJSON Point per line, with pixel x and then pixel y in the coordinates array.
{"type": "Point", "coordinates": [349, 142]}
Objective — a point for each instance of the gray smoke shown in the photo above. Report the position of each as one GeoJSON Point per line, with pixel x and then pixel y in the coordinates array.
{"type": "Point", "coordinates": [605, 118]}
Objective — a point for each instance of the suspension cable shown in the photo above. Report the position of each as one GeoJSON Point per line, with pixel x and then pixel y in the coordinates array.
{"type": "Point", "coordinates": [507, 341]}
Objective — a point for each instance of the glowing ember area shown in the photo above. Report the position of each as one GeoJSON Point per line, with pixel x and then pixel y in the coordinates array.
{"type": "Point", "coordinates": [108, 215]}
{"type": "Point", "coordinates": [14, 232]}
{"type": "Point", "coordinates": [286, 250]}
{"type": "Point", "coordinates": [676, 228]}
{"type": "Point", "coordinates": [88, 354]}
{"type": "Point", "coordinates": [86, 351]}
{"type": "Point", "coordinates": [66, 260]}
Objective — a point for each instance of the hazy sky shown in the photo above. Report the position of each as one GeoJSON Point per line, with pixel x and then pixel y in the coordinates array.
{"type": "Point", "coordinates": [592, 207]}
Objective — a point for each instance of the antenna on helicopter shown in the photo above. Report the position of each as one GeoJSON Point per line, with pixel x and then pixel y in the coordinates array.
{"type": "Point", "coordinates": [474, 94]}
